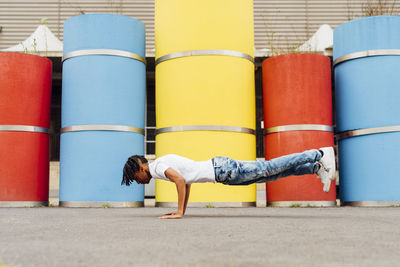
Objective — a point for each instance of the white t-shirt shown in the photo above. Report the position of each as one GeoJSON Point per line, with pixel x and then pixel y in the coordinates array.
{"type": "Point", "coordinates": [192, 171]}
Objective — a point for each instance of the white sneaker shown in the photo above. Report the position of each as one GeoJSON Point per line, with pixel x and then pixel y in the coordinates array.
{"type": "Point", "coordinates": [327, 168]}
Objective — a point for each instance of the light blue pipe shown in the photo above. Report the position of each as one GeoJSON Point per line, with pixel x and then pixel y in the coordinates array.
{"type": "Point", "coordinates": [368, 96]}
{"type": "Point", "coordinates": [101, 90]}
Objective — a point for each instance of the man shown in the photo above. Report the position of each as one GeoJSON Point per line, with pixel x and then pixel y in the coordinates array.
{"type": "Point", "coordinates": [183, 171]}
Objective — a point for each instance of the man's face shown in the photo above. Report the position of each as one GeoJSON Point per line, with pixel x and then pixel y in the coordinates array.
{"type": "Point", "coordinates": [143, 175]}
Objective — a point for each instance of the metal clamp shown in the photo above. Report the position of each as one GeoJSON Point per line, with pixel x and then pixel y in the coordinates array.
{"type": "Point", "coordinates": [23, 128]}
{"type": "Point", "coordinates": [221, 128]}
{"type": "Point", "coordinates": [203, 204]}
{"type": "Point", "coordinates": [301, 203]}
{"type": "Point", "coordinates": [205, 52]}
{"type": "Point", "coordinates": [100, 204]}
{"type": "Point", "coordinates": [299, 127]}
{"type": "Point", "coordinates": [23, 204]}
{"type": "Point", "coordinates": [366, 131]}
{"type": "Point", "coordinates": [367, 53]}
{"type": "Point", "coordinates": [371, 203]}
{"type": "Point", "coordinates": [107, 52]}
{"type": "Point", "coordinates": [117, 128]}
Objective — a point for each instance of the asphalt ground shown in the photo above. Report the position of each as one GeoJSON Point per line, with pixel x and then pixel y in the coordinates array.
{"type": "Point", "coordinates": [338, 236]}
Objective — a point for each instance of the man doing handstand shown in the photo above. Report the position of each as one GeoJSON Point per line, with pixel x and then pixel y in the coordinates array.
{"type": "Point", "coordinates": [183, 171]}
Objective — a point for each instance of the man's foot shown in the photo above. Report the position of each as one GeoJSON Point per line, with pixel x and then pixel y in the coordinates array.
{"type": "Point", "coordinates": [327, 167]}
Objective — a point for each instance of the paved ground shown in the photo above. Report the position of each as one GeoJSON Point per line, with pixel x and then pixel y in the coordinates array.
{"type": "Point", "coordinates": [292, 237]}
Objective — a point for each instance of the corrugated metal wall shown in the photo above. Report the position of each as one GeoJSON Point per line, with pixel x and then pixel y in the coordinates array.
{"type": "Point", "coordinates": [280, 25]}
{"type": "Point", "coordinates": [19, 18]}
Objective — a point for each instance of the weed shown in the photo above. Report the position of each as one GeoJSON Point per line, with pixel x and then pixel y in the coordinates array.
{"type": "Point", "coordinates": [372, 8]}
{"type": "Point", "coordinates": [209, 205]}
{"type": "Point", "coordinates": [3, 265]}
{"type": "Point", "coordinates": [378, 7]}
{"type": "Point", "coordinates": [32, 52]}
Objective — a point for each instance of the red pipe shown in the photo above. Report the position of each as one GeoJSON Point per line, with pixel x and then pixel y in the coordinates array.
{"type": "Point", "coordinates": [297, 90]}
{"type": "Point", "coordinates": [25, 95]}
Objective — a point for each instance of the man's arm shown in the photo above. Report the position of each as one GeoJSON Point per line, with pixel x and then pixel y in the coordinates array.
{"type": "Point", "coordinates": [180, 183]}
{"type": "Point", "coordinates": [186, 197]}
{"type": "Point", "coordinates": [186, 201]}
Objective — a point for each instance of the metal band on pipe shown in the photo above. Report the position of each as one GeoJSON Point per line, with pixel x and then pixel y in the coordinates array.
{"type": "Point", "coordinates": [301, 203]}
{"type": "Point", "coordinates": [117, 128]}
{"type": "Point", "coordinates": [100, 204]}
{"type": "Point", "coordinates": [359, 132]}
{"type": "Point", "coordinates": [107, 52]}
{"type": "Point", "coordinates": [221, 128]}
{"type": "Point", "coordinates": [299, 127]}
{"type": "Point", "coordinates": [205, 52]}
{"type": "Point", "coordinates": [371, 203]}
{"type": "Point", "coordinates": [367, 53]}
{"type": "Point", "coordinates": [202, 204]}
{"type": "Point", "coordinates": [23, 128]}
{"type": "Point", "coordinates": [23, 204]}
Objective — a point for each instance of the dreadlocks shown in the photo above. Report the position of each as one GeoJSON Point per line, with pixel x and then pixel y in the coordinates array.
{"type": "Point", "coordinates": [131, 167]}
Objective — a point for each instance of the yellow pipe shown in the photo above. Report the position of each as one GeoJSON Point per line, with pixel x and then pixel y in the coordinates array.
{"type": "Point", "coordinates": [182, 25]}
{"type": "Point", "coordinates": [205, 90]}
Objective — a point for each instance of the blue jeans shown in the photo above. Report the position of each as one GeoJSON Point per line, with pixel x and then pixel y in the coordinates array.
{"type": "Point", "coordinates": [235, 172]}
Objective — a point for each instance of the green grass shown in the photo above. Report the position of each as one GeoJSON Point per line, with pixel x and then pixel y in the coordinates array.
{"type": "Point", "coordinates": [209, 205]}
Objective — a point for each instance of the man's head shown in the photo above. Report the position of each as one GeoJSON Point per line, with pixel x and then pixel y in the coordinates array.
{"type": "Point", "coordinates": [136, 169]}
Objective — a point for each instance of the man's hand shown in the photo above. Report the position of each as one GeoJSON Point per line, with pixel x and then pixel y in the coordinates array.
{"type": "Point", "coordinates": [172, 215]}
{"type": "Point", "coordinates": [180, 183]}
